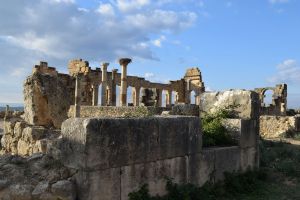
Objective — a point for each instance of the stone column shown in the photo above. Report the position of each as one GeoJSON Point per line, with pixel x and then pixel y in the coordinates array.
{"type": "Point", "coordinates": [197, 98]}
{"type": "Point", "coordinates": [113, 88]}
{"type": "Point", "coordinates": [104, 84]}
{"type": "Point", "coordinates": [136, 96]}
{"type": "Point", "coordinates": [95, 94]}
{"type": "Point", "coordinates": [169, 98]}
{"type": "Point", "coordinates": [123, 91]}
{"type": "Point", "coordinates": [109, 95]}
{"type": "Point", "coordinates": [77, 97]}
{"type": "Point", "coordinates": [159, 103]}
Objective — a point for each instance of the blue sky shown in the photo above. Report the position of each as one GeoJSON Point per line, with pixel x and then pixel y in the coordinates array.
{"type": "Point", "coordinates": [236, 44]}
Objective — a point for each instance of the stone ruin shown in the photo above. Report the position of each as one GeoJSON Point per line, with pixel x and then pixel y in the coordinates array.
{"type": "Point", "coordinates": [279, 100]}
{"type": "Point", "coordinates": [49, 94]}
{"type": "Point", "coordinates": [107, 151]}
{"type": "Point", "coordinates": [274, 121]}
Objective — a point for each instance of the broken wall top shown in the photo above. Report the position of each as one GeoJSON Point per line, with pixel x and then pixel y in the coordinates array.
{"type": "Point", "coordinates": [247, 102]}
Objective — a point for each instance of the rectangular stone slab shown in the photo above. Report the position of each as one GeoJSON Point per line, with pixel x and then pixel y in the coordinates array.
{"type": "Point", "coordinates": [103, 143]}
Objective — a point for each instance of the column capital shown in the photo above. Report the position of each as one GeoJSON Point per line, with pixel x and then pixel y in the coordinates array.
{"type": "Point", "coordinates": [104, 65]}
{"type": "Point", "coordinates": [124, 61]}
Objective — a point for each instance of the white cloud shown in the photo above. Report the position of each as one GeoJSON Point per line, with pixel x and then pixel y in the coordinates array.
{"type": "Point", "coordinates": [106, 10]}
{"type": "Point", "coordinates": [278, 1]}
{"type": "Point", "coordinates": [58, 30]}
{"type": "Point", "coordinates": [287, 72]}
{"type": "Point", "coordinates": [154, 78]}
{"type": "Point", "coordinates": [130, 5]}
{"type": "Point", "coordinates": [165, 20]}
{"type": "Point", "coordinates": [158, 42]}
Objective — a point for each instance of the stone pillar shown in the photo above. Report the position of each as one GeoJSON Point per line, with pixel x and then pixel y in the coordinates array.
{"type": "Point", "coordinates": [159, 103]}
{"type": "Point", "coordinates": [123, 91]}
{"type": "Point", "coordinates": [169, 98]}
{"type": "Point", "coordinates": [77, 97]}
{"type": "Point", "coordinates": [6, 116]}
{"type": "Point", "coordinates": [109, 96]}
{"type": "Point", "coordinates": [136, 96]}
{"type": "Point", "coordinates": [104, 84]}
{"type": "Point", "coordinates": [95, 94]}
{"type": "Point", "coordinates": [113, 88]}
{"type": "Point", "coordinates": [197, 98]}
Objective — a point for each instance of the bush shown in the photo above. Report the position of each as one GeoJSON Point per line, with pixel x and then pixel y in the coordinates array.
{"type": "Point", "coordinates": [214, 132]}
{"type": "Point", "coordinates": [234, 184]}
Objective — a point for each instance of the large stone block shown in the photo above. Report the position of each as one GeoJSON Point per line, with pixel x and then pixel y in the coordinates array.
{"type": "Point", "coordinates": [227, 160]}
{"type": "Point", "coordinates": [95, 185]}
{"type": "Point", "coordinates": [154, 174]}
{"type": "Point", "coordinates": [201, 167]}
{"type": "Point", "coordinates": [249, 159]}
{"type": "Point", "coordinates": [246, 132]}
{"type": "Point", "coordinates": [248, 102]}
{"type": "Point", "coordinates": [104, 143]}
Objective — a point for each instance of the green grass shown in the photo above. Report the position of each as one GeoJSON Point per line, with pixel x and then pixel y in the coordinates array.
{"type": "Point", "coordinates": [277, 179]}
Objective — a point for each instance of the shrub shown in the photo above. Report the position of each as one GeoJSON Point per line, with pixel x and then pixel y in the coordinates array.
{"type": "Point", "coordinates": [214, 132]}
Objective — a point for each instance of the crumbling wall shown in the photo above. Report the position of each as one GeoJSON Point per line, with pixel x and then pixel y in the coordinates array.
{"type": "Point", "coordinates": [247, 103]}
{"type": "Point", "coordinates": [47, 98]}
{"type": "Point", "coordinates": [24, 139]}
{"type": "Point", "coordinates": [278, 126]}
{"type": "Point", "coordinates": [279, 100]}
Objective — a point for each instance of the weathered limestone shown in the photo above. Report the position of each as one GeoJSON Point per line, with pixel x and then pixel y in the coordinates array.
{"type": "Point", "coordinates": [116, 112]}
{"type": "Point", "coordinates": [138, 143]}
{"type": "Point", "coordinates": [116, 156]}
{"type": "Point", "coordinates": [278, 126]}
{"type": "Point", "coordinates": [23, 139]}
{"type": "Point", "coordinates": [47, 98]}
{"type": "Point", "coordinates": [247, 102]}
{"type": "Point", "coordinates": [35, 177]}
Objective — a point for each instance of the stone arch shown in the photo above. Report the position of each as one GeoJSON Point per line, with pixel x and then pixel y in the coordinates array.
{"type": "Point", "coordinates": [267, 97]}
{"type": "Point", "coordinates": [192, 97]}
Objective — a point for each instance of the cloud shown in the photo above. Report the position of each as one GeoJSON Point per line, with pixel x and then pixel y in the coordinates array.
{"type": "Point", "coordinates": [59, 30]}
{"type": "Point", "coordinates": [287, 72]}
{"type": "Point", "coordinates": [106, 10]}
{"type": "Point", "coordinates": [131, 5]}
{"type": "Point", "coordinates": [278, 1]}
{"type": "Point", "coordinates": [154, 78]}
{"type": "Point", "coordinates": [158, 42]}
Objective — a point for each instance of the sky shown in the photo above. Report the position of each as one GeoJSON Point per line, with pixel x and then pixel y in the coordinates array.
{"type": "Point", "coordinates": [241, 44]}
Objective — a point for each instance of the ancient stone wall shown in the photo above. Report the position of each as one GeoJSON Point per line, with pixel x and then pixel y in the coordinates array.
{"type": "Point", "coordinates": [279, 100]}
{"type": "Point", "coordinates": [247, 103]}
{"type": "Point", "coordinates": [47, 98]}
{"type": "Point", "coordinates": [24, 139]}
{"type": "Point", "coordinates": [116, 156]}
{"type": "Point", "coordinates": [278, 126]}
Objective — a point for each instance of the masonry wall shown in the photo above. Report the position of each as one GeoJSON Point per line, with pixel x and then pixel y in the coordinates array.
{"type": "Point", "coordinates": [117, 156]}
{"type": "Point", "coordinates": [277, 126]}
{"type": "Point", "coordinates": [247, 102]}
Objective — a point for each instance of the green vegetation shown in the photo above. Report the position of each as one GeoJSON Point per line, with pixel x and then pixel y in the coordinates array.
{"type": "Point", "coordinates": [214, 132]}
{"type": "Point", "coordinates": [277, 179]}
